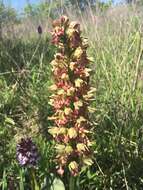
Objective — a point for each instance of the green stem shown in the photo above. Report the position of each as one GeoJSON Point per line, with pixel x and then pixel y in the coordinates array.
{"type": "Point", "coordinates": [72, 183]}
{"type": "Point", "coordinates": [34, 184]}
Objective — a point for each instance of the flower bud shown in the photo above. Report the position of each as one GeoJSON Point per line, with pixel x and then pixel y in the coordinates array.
{"type": "Point", "coordinates": [72, 133]}
{"type": "Point", "coordinates": [73, 167]}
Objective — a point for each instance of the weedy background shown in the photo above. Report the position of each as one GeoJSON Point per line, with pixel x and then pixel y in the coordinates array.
{"type": "Point", "coordinates": [116, 45]}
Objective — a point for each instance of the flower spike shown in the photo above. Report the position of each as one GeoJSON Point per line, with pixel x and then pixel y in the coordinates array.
{"type": "Point", "coordinates": [70, 101]}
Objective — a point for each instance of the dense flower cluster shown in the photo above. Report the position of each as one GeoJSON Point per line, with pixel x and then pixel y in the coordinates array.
{"type": "Point", "coordinates": [71, 97]}
{"type": "Point", "coordinates": [27, 153]}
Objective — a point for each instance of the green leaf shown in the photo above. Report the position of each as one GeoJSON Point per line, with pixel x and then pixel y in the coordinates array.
{"type": "Point", "coordinates": [57, 185]}
{"type": "Point", "coordinates": [9, 121]}
{"type": "Point", "coordinates": [4, 181]}
{"type": "Point", "coordinates": [21, 182]}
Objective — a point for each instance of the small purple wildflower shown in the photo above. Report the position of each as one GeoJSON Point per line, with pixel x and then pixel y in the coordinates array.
{"type": "Point", "coordinates": [39, 29]}
{"type": "Point", "coordinates": [27, 153]}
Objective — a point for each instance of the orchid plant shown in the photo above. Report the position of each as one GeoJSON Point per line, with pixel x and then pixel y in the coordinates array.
{"type": "Point", "coordinates": [28, 156]}
{"type": "Point", "coordinates": [70, 99]}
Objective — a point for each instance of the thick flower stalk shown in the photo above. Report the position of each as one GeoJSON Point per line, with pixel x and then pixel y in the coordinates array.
{"type": "Point", "coordinates": [71, 97]}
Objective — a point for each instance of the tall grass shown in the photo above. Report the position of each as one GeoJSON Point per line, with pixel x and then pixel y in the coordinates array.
{"type": "Point", "coordinates": [115, 39]}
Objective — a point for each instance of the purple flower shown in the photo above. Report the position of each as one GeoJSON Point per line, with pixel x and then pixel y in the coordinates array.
{"type": "Point", "coordinates": [39, 29]}
{"type": "Point", "coordinates": [27, 153]}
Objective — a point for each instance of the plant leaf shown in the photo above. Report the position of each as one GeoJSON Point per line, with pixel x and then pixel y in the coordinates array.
{"type": "Point", "coordinates": [57, 185]}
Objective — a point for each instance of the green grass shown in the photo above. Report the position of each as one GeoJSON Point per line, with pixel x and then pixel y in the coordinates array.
{"type": "Point", "coordinates": [119, 102]}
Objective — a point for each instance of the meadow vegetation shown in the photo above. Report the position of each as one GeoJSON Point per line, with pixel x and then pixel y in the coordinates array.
{"type": "Point", "coordinates": [116, 46]}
